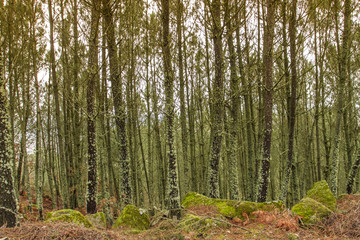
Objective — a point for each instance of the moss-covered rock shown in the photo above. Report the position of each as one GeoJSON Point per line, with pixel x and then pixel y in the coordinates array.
{"type": "Point", "coordinates": [98, 220]}
{"type": "Point", "coordinates": [196, 223]}
{"type": "Point", "coordinates": [228, 208]}
{"type": "Point", "coordinates": [321, 192]}
{"type": "Point", "coordinates": [312, 211]}
{"type": "Point", "coordinates": [70, 216]}
{"type": "Point", "coordinates": [270, 206]}
{"type": "Point", "coordinates": [132, 217]}
{"type": "Point", "coordinates": [195, 199]}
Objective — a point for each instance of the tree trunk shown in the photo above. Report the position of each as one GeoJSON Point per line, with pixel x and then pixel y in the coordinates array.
{"type": "Point", "coordinates": [218, 102]}
{"type": "Point", "coordinates": [234, 109]}
{"type": "Point", "coordinates": [343, 53]}
{"type": "Point", "coordinates": [8, 212]}
{"type": "Point", "coordinates": [116, 89]}
{"type": "Point", "coordinates": [292, 105]}
{"type": "Point", "coordinates": [174, 195]}
{"type": "Point", "coordinates": [268, 99]}
{"type": "Point", "coordinates": [64, 182]}
{"type": "Point", "coordinates": [38, 160]}
{"type": "Point", "coordinates": [184, 131]}
{"type": "Point", "coordinates": [90, 98]}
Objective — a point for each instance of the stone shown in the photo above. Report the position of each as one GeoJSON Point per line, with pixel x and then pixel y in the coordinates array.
{"type": "Point", "coordinates": [132, 217]}
{"type": "Point", "coordinates": [70, 216]}
{"type": "Point", "coordinates": [321, 192]}
{"type": "Point", "coordinates": [311, 210]}
{"type": "Point", "coordinates": [228, 208]}
{"type": "Point", "coordinates": [98, 220]}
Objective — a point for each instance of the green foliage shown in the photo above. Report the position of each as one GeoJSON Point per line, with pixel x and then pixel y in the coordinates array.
{"type": "Point", "coordinates": [312, 211]}
{"type": "Point", "coordinates": [70, 216]}
{"type": "Point", "coordinates": [321, 192]}
{"type": "Point", "coordinates": [132, 217]}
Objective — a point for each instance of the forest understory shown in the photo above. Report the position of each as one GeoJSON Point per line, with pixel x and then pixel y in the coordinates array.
{"type": "Point", "coordinates": [344, 223]}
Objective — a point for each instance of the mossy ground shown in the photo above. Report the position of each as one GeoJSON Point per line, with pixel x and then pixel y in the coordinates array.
{"type": "Point", "coordinates": [229, 208]}
{"type": "Point", "coordinates": [264, 225]}
{"type": "Point", "coordinates": [200, 224]}
{"type": "Point", "coordinates": [70, 216]}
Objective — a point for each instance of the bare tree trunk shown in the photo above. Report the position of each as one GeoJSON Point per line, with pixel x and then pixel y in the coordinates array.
{"type": "Point", "coordinates": [8, 212]}
{"type": "Point", "coordinates": [184, 131]}
{"type": "Point", "coordinates": [38, 160]}
{"type": "Point", "coordinates": [174, 195]}
{"type": "Point", "coordinates": [218, 102]}
{"type": "Point", "coordinates": [90, 97]}
{"type": "Point", "coordinates": [64, 182]}
{"type": "Point", "coordinates": [343, 53]}
{"type": "Point", "coordinates": [116, 89]}
{"type": "Point", "coordinates": [292, 114]}
{"type": "Point", "coordinates": [268, 98]}
{"type": "Point", "coordinates": [234, 109]}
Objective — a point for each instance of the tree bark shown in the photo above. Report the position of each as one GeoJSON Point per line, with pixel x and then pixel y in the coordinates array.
{"type": "Point", "coordinates": [64, 182]}
{"type": "Point", "coordinates": [218, 102]}
{"type": "Point", "coordinates": [8, 212]}
{"type": "Point", "coordinates": [174, 195]}
{"type": "Point", "coordinates": [292, 105]}
{"type": "Point", "coordinates": [342, 63]}
{"type": "Point", "coordinates": [116, 89]}
{"type": "Point", "coordinates": [268, 99]}
{"type": "Point", "coordinates": [90, 98]}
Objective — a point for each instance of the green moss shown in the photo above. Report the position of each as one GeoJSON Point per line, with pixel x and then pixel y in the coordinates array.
{"type": "Point", "coordinates": [247, 207]}
{"type": "Point", "coordinates": [321, 192]}
{"type": "Point", "coordinates": [194, 199]}
{"type": "Point", "coordinates": [132, 217]}
{"type": "Point", "coordinates": [228, 208]}
{"type": "Point", "coordinates": [98, 220]}
{"type": "Point", "coordinates": [196, 223]}
{"type": "Point", "coordinates": [70, 216]}
{"type": "Point", "coordinates": [312, 211]}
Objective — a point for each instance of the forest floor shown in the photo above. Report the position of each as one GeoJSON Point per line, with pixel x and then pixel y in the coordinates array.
{"type": "Point", "coordinates": [343, 224]}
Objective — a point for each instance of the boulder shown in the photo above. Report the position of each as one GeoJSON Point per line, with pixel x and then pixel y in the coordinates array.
{"type": "Point", "coordinates": [133, 218]}
{"type": "Point", "coordinates": [312, 211]}
{"type": "Point", "coordinates": [321, 192]}
{"type": "Point", "coordinates": [228, 208]}
{"type": "Point", "coordinates": [98, 220]}
{"type": "Point", "coordinates": [70, 216]}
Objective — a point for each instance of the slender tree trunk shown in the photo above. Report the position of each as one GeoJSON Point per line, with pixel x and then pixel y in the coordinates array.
{"type": "Point", "coordinates": [148, 112]}
{"type": "Point", "coordinates": [116, 89]}
{"type": "Point", "coordinates": [343, 53]}
{"type": "Point", "coordinates": [218, 102]}
{"type": "Point", "coordinates": [317, 94]}
{"type": "Point", "coordinates": [38, 160]}
{"type": "Point", "coordinates": [234, 109]}
{"type": "Point", "coordinates": [76, 116]}
{"type": "Point", "coordinates": [292, 114]}
{"type": "Point", "coordinates": [64, 182]}
{"type": "Point", "coordinates": [268, 98]}
{"type": "Point", "coordinates": [90, 97]}
{"type": "Point", "coordinates": [174, 195]}
{"type": "Point", "coordinates": [184, 132]}
{"type": "Point", "coordinates": [8, 212]}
